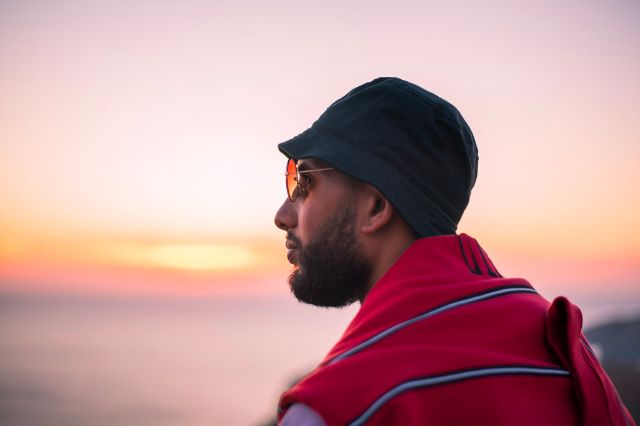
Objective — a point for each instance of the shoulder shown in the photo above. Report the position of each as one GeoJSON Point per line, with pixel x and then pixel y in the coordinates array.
{"type": "Point", "coordinates": [301, 415]}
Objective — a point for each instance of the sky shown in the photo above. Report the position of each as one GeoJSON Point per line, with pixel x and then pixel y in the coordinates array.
{"type": "Point", "coordinates": [138, 139]}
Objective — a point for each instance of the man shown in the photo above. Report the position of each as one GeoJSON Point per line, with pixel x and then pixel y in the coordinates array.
{"type": "Point", "coordinates": [376, 188]}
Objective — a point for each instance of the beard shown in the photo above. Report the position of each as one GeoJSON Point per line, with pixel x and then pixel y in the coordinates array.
{"type": "Point", "coordinates": [332, 269]}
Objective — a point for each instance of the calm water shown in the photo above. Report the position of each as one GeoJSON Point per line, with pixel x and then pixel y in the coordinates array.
{"type": "Point", "coordinates": [115, 361]}
{"type": "Point", "coordinates": [86, 361]}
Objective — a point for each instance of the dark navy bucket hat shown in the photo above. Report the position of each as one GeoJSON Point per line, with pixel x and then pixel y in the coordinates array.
{"type": "Point", "coordinates": [410, 144]}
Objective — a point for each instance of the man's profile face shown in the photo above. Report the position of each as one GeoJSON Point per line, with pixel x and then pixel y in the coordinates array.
{"type": "Point", "coordinates": [330, 266]}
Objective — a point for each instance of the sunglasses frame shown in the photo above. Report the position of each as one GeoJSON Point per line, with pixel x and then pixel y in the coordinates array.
{"type": "Point", "coordinates": [295, 192]}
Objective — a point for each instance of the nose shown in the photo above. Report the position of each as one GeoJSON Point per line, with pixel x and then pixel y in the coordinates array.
{"type": "Point", "coordinates": [286, 216]}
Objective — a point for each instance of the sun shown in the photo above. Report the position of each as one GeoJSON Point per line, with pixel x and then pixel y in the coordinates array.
{"type": "Point", "coordinates": [197, 257]}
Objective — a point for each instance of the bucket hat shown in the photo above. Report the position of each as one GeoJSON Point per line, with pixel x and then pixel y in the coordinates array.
{"type": "Point", "coordinates": [412, 145]}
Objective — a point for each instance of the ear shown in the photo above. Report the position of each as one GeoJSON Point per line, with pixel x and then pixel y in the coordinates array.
{"type": "Point", "coordinates": [378, 209]}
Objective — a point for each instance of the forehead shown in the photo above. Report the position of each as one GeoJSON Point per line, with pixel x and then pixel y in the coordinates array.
{"type": "Point", "coordinates": [311, 163]}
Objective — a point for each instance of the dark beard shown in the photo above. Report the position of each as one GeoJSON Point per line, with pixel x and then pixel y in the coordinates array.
{"type": "Point", "coordinates": [333, 271]}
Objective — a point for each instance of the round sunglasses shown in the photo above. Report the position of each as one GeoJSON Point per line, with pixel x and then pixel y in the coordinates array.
{"type": "Point", "coordinates": [295, 184]}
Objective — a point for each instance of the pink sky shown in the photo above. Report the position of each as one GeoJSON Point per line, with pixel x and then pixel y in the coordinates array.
{"type": "Point", "coordinates": [152, 126]}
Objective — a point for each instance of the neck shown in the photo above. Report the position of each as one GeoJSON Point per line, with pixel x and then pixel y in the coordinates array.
{"type": "Point", "coordinates": [385, 253]}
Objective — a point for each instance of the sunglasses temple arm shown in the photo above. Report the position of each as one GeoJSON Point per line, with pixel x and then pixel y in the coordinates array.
{"type": "Point", "coordinates": [313, 170]}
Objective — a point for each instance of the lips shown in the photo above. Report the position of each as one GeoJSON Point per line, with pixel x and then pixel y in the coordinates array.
{"type": "Point", "coordinates": [292, 256]}
{"type": "Point", "coordinates": [292, 252]}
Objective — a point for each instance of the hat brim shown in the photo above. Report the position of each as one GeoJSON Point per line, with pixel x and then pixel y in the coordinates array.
{"type": "Point", "coordinates": [427, 218]}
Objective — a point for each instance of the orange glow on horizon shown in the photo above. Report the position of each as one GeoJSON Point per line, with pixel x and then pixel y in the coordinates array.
{"type": "Point", "coordinates": [227, 265]}
{"type": "Point", "coordinates": [129, 264]}
{"type": "Point", "coordinates": [199, 257]}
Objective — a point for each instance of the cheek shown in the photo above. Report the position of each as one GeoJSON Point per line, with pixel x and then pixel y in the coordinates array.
{"type": "Point", "coordinates": [305, 227]}
{"type": "Point", "coordinates": [309, 221]}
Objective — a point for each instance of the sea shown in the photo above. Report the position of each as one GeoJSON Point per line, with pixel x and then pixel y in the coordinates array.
{"type": "Point", "coordinates": [190, 361]}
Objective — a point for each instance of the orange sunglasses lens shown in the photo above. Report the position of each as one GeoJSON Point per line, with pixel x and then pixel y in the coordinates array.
{"type": "Point", "coordinates": [292, 182]}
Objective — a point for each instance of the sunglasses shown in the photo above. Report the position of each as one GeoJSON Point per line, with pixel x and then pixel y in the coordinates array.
{"type": "Point", "coordinates": [295, 181]}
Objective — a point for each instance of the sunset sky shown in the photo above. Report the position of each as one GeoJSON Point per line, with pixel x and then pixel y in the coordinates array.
{"type": "Point", "coordinates": [138, 139]}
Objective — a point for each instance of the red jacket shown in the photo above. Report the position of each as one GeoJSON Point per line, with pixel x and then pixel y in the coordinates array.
{"type": "Point", "coordinates": [444, 339]}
